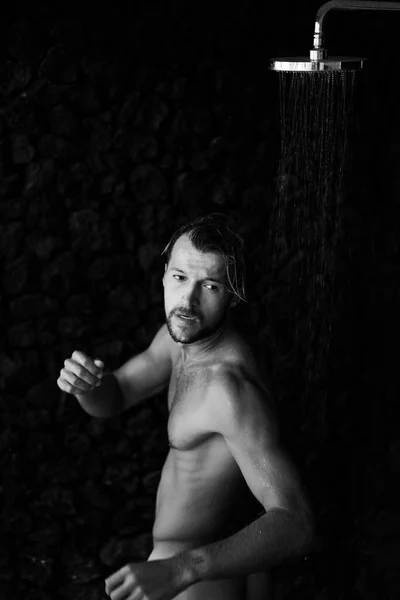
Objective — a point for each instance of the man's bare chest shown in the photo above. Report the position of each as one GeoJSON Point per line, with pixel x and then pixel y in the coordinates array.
{"type": "Point", "coordinates": [188, 422]}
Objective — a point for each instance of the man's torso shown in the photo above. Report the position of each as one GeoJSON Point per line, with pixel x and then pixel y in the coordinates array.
{"type": "Point", "coordinates": [202, 496]}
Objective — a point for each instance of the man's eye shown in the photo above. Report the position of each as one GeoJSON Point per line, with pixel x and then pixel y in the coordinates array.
{"type": "Point", "coordinates": [212, 288]}
{"type": "Point", "coordinates": [178, 277]}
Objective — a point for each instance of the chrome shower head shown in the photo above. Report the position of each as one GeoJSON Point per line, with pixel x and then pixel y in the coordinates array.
{"type": "Point", "coordinates": [302, 63]}
{"type": "Point", "coordinates": [319, 60]}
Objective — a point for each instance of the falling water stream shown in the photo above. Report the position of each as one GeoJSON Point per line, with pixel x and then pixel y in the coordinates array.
{"type": "Point", "coordinates": [305, 228]}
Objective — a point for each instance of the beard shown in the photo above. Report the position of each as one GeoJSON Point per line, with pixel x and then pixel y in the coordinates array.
{"type": "Point", "coordinates": [190, 331]}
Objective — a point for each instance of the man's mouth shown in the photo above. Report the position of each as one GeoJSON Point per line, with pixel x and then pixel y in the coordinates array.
{"type": "Point", "coordinates": [186, 317]}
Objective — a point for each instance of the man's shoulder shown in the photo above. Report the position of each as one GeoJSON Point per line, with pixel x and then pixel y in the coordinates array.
{"type": "Point", "coordinates": [234, 400]}
{"type": "Point", "coordinates": [232, 382]}
{"type": "Point", "coordinates": [225, 374]}
{"type": "Point", "coordinates": [235, 368]}
{"type": "Point", "coordinates": [237, 392]}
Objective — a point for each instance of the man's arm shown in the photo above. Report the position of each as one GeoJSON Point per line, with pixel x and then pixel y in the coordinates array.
{"type": "Point", "coordinates": [286, 529]}
{"type": "Point", "coordinates": [148, 373]}
{"type": "Point", "coordinates": [112, 393]}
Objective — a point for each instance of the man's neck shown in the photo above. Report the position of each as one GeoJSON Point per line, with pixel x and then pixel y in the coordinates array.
{"type": "Point", "coordinates": [203, 349]}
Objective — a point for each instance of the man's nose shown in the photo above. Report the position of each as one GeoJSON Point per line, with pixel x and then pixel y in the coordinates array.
{"type": "Point", "coordinates": [191, 296]}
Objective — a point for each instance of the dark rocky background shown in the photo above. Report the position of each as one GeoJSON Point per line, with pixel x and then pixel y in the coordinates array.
{"type": "Point", "coordinates": [118, 122]}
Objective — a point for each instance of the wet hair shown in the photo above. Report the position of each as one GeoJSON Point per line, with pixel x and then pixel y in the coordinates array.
{"type": "Point", "coordinates": [215, 233]}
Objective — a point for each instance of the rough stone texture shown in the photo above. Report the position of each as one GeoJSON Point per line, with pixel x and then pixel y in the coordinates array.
{"type": "Point", "coordinates": [103, 153]}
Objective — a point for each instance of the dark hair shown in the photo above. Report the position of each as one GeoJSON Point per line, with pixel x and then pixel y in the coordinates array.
{"type": "Point", "coordinates": [215, 233]}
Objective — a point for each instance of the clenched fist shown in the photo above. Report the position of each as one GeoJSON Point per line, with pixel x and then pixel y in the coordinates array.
{"type": "Point", "coordinates": [80, 374]}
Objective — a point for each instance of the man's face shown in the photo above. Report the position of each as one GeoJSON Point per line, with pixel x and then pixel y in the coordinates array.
{"type": "Point", "coordinates": [195, 297]}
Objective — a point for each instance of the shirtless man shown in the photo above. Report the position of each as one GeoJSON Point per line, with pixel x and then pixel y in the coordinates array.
{"type": "Point", "coordinates": [221, 429]}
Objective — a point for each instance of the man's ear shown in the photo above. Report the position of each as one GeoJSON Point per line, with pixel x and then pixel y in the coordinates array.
{"type": "Point", "coordinates": [234, 302]}
{"type": "Point", "coordinates": [165, 270]}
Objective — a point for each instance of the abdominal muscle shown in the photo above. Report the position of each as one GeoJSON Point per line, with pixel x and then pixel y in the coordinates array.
{"type": "Point", "coordinates": [198, 490]}
{"type": "Point", "coordinates": [191, 512]}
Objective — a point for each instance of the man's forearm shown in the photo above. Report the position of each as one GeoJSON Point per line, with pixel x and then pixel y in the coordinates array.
{"type": "Point", "coordinates": [272, 538]}
{"type": "Point", "coordinates": [105, 400]}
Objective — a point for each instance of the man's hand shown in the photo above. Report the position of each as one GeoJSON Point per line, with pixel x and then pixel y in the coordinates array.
{"type": "Point", "coordinates": [153, 580]}
{"type": "Point", "coordinates": [80, 374]}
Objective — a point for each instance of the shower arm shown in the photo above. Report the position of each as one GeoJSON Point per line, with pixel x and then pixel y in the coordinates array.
{"type": "Point", "coordinates": [318, 52]}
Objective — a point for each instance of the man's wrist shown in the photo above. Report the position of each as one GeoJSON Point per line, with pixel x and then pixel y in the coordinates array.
{"type": "Point", "coordinates": [192, 565]}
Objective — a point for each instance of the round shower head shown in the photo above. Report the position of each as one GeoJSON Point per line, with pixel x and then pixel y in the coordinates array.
{"type": "Point", "coordinates": [305, 64]}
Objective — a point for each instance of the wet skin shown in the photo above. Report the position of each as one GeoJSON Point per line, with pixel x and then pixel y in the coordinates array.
{"type": "Point", "coordinates": [201, 488]}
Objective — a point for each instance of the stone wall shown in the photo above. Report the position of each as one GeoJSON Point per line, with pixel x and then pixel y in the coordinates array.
{"type": "Point", "coordinates": [116, 126]}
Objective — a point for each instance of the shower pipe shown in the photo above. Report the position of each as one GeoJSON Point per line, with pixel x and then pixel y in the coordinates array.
{"type": "Point", "coordinates": [319, 60]}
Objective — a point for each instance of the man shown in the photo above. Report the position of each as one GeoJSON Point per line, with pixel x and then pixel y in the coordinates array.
{"type": "Point", "coordinates": [221, 429]}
